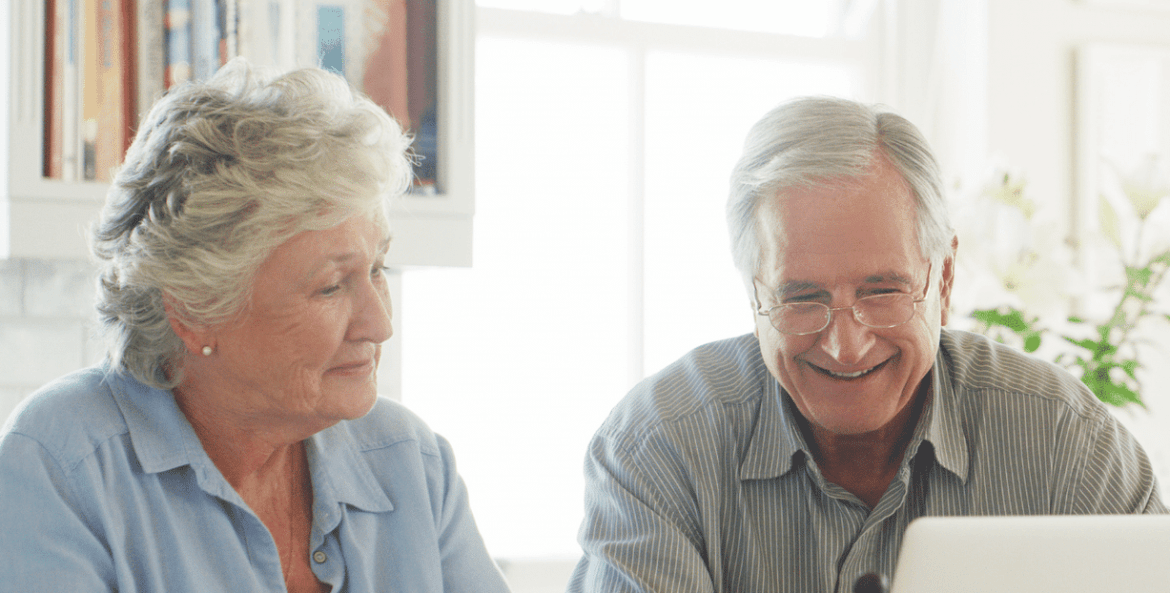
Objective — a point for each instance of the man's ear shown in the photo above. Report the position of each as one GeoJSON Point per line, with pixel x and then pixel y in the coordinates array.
{"type": "Point", "coordinates": [193, 337]}
{"type": "Point", "coordinates": [947, 283]}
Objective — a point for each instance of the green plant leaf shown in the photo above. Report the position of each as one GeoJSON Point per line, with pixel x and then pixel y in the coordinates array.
{"type": "Point", "coordinates": [1031, 342]}
{"type": "Point", "coordinates": [1130, 367]}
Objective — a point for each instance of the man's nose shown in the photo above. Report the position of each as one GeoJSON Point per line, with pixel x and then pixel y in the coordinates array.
{"type": "Point", "coordinates": [846, 339]}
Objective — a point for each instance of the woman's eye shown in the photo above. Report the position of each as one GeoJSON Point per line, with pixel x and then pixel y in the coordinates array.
{"type": "Point", "coordinates": [331, 290]}
{"type": "Point", "coordinates": [377, 271]}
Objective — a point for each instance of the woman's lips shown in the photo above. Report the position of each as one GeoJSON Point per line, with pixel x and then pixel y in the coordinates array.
{"type": "Point", "coordinates": [353, 368]}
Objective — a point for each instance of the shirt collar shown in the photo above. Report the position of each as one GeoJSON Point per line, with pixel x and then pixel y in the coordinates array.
{"type": "Point", "coordinates": [161, 437]}
{"type": "Point", "coordinates": [341, 474]}
{"type": "Point", "coordinates": [940, 424]}
{"type": "Point", "coordinates": [777, 439]}
{"type": "Point", "coordinates": [163, 440]}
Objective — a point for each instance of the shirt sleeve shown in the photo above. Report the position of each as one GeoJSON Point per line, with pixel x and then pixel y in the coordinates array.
{"type": "Point", "coordinates": [1112, 474]}
{"type": "Point", "coordinates": [641, 529]}
{"type": "Point", "coordinates": [467, 566]}
{"type": "Point", "coordinates": [48, 545]}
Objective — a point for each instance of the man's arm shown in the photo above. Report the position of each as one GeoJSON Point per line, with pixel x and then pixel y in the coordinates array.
{"type": "Point", "coordinates": [641, 529]}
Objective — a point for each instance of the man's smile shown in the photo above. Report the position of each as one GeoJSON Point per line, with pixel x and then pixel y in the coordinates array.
{"type": "Point", "coordinates": [848, 376]}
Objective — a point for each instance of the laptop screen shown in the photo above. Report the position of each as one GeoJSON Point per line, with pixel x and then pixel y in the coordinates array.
{"type": "Point", "coordinates": [1035, 554]}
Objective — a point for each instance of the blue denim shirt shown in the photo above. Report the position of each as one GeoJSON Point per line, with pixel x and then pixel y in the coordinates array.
{"type": "Point", "coordinates": [105, 486]}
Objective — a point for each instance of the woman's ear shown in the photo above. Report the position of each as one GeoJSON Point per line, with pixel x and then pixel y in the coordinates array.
{"type": "Point", "coordinates": [193, 337]}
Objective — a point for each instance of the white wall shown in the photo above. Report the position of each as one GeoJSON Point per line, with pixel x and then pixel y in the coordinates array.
{"type": "Point", "coordinates": [46, 313]}
{"type": "Point", "coordinates": [1032, 105]}
{"type": "Point", "coordinates": [1032, 84]}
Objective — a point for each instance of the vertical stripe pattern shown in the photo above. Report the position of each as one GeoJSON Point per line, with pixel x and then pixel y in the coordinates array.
{"type": "Point", "coordinates": [700, 481]}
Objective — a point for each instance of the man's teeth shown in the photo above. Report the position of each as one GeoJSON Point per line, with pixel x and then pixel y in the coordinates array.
{"type": "Point", "coordinates": [850, 375]}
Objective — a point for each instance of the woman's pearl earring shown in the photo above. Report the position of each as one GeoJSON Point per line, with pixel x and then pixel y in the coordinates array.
{"type": "Point", "coordinates": [207, 351]}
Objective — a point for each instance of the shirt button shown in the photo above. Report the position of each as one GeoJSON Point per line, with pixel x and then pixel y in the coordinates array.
{"type": "Point", "coordinates": [320, 557]}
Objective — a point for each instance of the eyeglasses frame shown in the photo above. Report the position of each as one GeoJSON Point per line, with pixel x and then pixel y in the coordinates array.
{"type": "Point", "coordinates": [829, 317]}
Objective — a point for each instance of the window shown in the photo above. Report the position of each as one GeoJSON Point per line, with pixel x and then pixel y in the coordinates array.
{"type": "Point", "coordinates": [605, 137]}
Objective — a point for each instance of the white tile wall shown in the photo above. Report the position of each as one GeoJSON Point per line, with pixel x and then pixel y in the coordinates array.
{"type": "Point", "coordinates": [46, 324]}
{"type": "Point", "coordinates": [47, 327]}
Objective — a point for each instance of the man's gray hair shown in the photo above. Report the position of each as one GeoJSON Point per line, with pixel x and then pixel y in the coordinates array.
{"type": "Point", "coordinates": [811, 140]}
{"type": "Point", "coordinates": [220, 174]}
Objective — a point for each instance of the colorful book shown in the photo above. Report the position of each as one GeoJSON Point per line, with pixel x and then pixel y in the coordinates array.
{"type": "Point", "coordinates": [70, 91]}
{"type": "Point", "coordinates": [178, 42]}
{"type": "Point", "coordinates": [384, 80]}
{"type": "Point", "coordinates": [56, 38]}
{"type": "Point", "coordinates": [205, 56]}
{"type": "Point", "coordinates": [112, 98]}
{"type": "Point", "coordinates": [331, 38]}
{"type": "Point", "coordinates": [150, 22]}
{"type": "Point", "coordinates": [91, 88]}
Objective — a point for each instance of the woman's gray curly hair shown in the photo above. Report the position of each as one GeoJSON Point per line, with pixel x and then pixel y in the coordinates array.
{"type": "Point", "coordinates": [220, 174]}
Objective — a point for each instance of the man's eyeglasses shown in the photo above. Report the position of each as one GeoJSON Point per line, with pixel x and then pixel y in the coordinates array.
{"type": "Point", "coordinates": [879, 311]}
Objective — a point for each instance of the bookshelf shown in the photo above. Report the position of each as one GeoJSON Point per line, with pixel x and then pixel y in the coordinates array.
{"type": "Point", "coordinates": [46, 203]}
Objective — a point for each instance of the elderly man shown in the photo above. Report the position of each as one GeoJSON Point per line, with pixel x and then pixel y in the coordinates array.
{"type": "Point", "coordinates": [794, 458]}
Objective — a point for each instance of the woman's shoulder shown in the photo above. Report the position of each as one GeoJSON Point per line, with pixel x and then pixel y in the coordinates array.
{"type": "Point", "coordinates": [70, 416]}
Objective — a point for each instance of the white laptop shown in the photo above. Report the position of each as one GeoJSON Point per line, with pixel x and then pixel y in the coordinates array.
{"type": "Point", "coordinates": [1048, 554]}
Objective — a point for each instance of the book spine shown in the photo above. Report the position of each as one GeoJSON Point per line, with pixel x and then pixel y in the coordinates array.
{"type": "Point", "coordinates": [224, 16]}
{"type": "Point", "coordinates": [178, 42]}
{"type": "Point", "coordinates": [70, 99]}
{"type": "Point", "coordinates": [128, 47]}
{"type": "Point", "coordinates": [150, 22]}
{"type": "Point", "coordinates": [110, 136]}
{"type": "Point", "coordinates": [204, 39]}
{"type": "Point", "coordinates": [90, 90]}
{"type": "Point", "coordinates": [331, 38]}
{"type": "Point", "coordinates": [55, 40]}
{"type": "Point", "coordinates": [385, 80]}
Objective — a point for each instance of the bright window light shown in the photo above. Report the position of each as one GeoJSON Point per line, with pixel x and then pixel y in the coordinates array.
{"type": "Point", "coordinates": [518, 359]}
{"type": "Point", "coordinates": [593, 266]}
{"type": "Point", "coordinates": [698, 110]}
{"type": "Point", "coordinates": [809, 18]}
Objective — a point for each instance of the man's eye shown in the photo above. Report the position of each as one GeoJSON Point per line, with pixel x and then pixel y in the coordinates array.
{"type": "Point", "coordinates": [377, 271]}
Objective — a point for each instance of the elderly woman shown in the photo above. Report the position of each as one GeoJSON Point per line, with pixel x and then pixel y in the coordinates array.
{"type": "Point", "coordinates": [234, 440]}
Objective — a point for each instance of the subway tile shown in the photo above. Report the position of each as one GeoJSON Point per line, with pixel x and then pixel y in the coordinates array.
{"type": "Point", "coordinates": [37, 351]}
{"type": "Point", "coordinates": [11, 287]}
{"type": "Point", "coordinates": [59, 288]}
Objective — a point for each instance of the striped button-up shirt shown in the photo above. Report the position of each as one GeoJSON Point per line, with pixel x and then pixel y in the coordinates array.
{"type": "Point", "coordinates": [701, 481]}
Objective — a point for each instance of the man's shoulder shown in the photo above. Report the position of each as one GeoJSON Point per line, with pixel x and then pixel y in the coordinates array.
{"type": "Point", "coordinates": [707, 380]}
{"type": "Point", "coordinates": [71, 416]}
{"type": "Point", "coordinates": [979, 364]}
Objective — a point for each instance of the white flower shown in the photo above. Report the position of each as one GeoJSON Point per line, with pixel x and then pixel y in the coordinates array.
{"type": "Point", "coordinates": [1010, 256]}
{"type": "Point", "coordinates": [1146, 184]}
